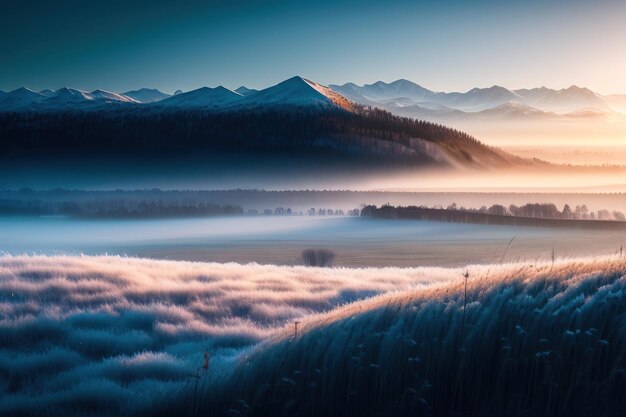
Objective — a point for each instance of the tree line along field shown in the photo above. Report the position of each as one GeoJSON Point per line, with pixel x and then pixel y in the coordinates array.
{"type": "Point", "coordinates": [117, 209]}
{"type": "Point", "coordinates": [193, 203]}
{"type": "Point", "coordinates": [538, 215]}
{"type": "Point", "coordinates": [305, 199]}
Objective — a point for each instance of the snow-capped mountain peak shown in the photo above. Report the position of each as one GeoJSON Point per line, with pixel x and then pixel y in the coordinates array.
{"type": "Point", "coordinates": [109, 96]}
{"type": "Point", "coordinates": [64, 97]}
{"type": "Point", "coordinates": [20, 98]}
{"type": "Point", "coordinates": [298, 92]}
{"type": "Point", "coordinates": [66, 93]}
{"type": "Point", "coordinates": [146, 95]}
{"type": "Point", "coordinates": [203, 97]}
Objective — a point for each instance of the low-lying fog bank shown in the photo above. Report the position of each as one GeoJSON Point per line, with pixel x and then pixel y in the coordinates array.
{"type": "Point", "coordinates": [356, 241]}
{"type": "Point", "coordinates": [236, 172]}
{"type": "Point", "coordinates": [27, 201]}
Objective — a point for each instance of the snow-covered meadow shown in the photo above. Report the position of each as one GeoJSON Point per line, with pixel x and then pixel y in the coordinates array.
{"type": "Point", "coordinates": [111, 335]}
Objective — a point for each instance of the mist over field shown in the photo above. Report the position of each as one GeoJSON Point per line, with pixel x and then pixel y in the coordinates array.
{"type": "Point", "coordinates": [279, 240]}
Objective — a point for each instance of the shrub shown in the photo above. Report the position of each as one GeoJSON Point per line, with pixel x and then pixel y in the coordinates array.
{"type": "Point", "coordinates": [318, 257]}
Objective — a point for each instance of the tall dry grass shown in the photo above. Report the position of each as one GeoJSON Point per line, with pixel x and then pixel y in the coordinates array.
{"type": "Point", "coordinates": [120, 336]}
{"type": "Point", "coordinates": [113, 336]}
{"type": "Point", "coordinates": [540, 340]}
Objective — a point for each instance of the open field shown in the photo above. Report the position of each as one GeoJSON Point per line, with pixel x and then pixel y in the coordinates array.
{"type": "Point", "coordinates": [358, 242]}
{"type": "Point", "coordinates": [110, 336]}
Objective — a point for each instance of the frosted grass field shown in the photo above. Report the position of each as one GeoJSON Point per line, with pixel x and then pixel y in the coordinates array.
{"type": "Point", "coordinates": [532, 340]}
{"type": "Point", "coordinates": [120, 336]}
{"type": "Point", "coordinates": [110, 335]}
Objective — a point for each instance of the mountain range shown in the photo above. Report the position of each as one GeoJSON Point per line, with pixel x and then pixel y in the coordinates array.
{"type": "Point", "coordinates": [401, 97]}
{"type": "Point", "coordinates": [146, 95]}
{"type": "Point", "coordinates": [294, 92]}
{"type": "Point", "coordinates": [406, 98]}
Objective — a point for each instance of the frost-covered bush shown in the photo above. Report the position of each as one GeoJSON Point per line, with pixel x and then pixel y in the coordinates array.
{"type": "Point", "coordinates": [318, 257]}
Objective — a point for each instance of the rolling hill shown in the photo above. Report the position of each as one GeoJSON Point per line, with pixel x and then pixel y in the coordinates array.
{"type": "Point", "coordinates": [526, 339]}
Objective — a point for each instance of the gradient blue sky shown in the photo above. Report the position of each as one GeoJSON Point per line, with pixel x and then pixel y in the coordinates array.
{"type": "Point", "coordinates": [443, 45]}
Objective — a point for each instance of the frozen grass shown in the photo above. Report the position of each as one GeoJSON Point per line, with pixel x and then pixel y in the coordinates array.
{"type": "Point", "coordinates": [120, 336]}
{"type": "Point", "coordinates": [111, 335]}
{"type": "Point", "coordinates": [543, 340]}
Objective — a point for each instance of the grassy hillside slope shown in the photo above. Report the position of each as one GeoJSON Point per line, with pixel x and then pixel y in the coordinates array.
{"type": "Point", "coordinates": [532, 340]}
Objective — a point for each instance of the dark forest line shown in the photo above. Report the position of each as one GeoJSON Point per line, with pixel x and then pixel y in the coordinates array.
{"type": "Point", "coordinates": [368, 134]}
{"type": "Point", "coordinates": [27, 201]}
{"type": "Point", "coordinates": [116, 209]}
{"type": "Point", "coordinates": [537, 215]}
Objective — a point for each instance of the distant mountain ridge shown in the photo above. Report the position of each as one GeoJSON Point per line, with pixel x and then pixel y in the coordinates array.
{"type": "Point", "coordinates": [293, 92]}
{"type": "Point", "coordinates": [25, 99]}
{"type": "Point", "coordinates": [147, 95]}
{"type": "Point", "coordinates": [402, 97]}
{"type": "Point", "coordinates": [203, 97]}
{"type": "Point", "coordinates": [407, 98]}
